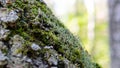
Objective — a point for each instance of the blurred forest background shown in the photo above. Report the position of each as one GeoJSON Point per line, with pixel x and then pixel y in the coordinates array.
{"type": "Point", "coordinates": [87, 19]}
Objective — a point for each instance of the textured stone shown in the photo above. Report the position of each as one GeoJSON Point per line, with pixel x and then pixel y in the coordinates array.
{"type": "Point", "coordinates": [39, 63]}
{"type": "Point", "coordinates": [48, 47]}
{"type": "Point", "coordinates": [17, 42]}
{"type": "Point", "coordinates": [8, 16]}
{"type": "Point", "coordinates": [3, 59]}
{"type": "Point", "coordinates": [3, 32]}
{"type": "Point", "coordinates": [53, 60]}
{"type": "Point", "coordinates": [35, 47]}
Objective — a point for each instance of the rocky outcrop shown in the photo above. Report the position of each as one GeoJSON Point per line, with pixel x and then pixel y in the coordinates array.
{"type": "Point", "coordinates": [32, 37]}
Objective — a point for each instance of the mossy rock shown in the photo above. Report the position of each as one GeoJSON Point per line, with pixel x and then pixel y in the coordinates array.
{"type": "Point", "coordinates": [36, 23]}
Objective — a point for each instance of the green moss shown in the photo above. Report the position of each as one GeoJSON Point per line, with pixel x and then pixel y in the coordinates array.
{"type": "Point", "coordinates": [48, 32]}
{"type": "Point", "coordinates": [5, 51]}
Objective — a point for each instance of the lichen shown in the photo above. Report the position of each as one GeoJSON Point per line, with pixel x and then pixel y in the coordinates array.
{"type": "Point", "coordinates": [37, 24]}
{"type": "Point", "coordinates": [3, 59]}
{"type": "Point", "coordinates": [3, 33]}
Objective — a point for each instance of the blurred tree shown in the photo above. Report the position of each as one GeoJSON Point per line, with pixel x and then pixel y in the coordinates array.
{"type": "Point", "coordinates": [114, 9]}
{"type": "Point", "coordinates": [90, 5]}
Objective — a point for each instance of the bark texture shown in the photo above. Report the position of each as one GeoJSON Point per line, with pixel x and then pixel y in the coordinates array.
{"type": "Point", "coordinates": [114, 8]}
{"type": "Point", "coordinates": [32, 37]}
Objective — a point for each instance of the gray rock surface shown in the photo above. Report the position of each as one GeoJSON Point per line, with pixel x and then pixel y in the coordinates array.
{"type": "Point", "coordinates": [35, 47]}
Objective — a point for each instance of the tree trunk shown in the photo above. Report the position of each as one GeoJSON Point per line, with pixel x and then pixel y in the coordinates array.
{"type": "Point", "coordinates": [32, 37]}
{"type": "Point", "coordinates": [114, 8]}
